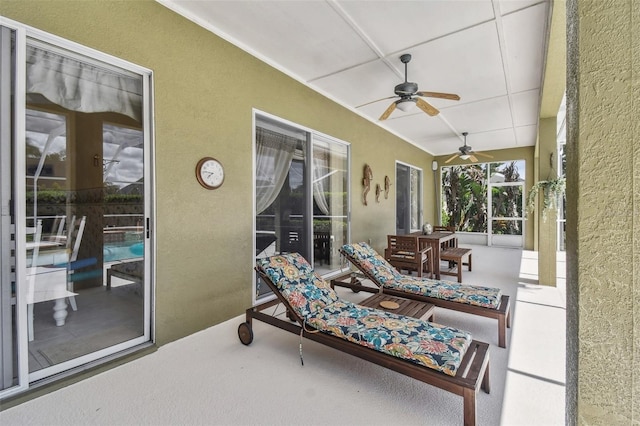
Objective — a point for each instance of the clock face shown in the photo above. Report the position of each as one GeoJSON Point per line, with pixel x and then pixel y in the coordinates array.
{"type": "Point", "coordinates": [210, 173]}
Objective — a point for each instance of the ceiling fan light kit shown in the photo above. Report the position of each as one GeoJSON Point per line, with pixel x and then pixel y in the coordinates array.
{"type": "Point", "coordinates": [406, 105]}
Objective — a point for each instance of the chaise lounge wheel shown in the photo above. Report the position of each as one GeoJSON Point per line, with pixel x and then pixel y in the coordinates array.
{"type": "Point", "coordinates": [245, 333]}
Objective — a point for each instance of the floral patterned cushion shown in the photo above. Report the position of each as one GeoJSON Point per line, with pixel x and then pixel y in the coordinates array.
{"type": "Point", "coordinates": [431, 345]}
{"type": "Point", "coordinates": [428, 344]}
{"type": "Point", "coordinates": [305, 291]}
{"type": "Point", "coordinates": [367, 259]}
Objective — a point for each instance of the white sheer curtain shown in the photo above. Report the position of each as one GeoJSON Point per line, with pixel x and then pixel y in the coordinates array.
{"type": "Point", "coordinates": [81, 86]}
{"type": "Point", "coordinates": [320, 180]}
{"type": "Point", "coordinates": [274, 152]}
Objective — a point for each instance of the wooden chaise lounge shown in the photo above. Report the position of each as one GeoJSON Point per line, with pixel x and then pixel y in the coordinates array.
{"type": "Point", "coordinates": [483, 301]}
{"type": "Point", "coordinates": [440, 356]}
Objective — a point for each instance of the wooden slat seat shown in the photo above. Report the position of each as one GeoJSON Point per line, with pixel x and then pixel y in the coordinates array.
{"type": "Point", "coordinates": [456, 256]}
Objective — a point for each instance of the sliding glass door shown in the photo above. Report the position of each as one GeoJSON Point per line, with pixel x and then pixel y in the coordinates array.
{"type": "Point", "coordinates": [301, 190]}
{"type": "Point", "coordinates": [408, 199]}
{"type": "Point", "coordinates": [8, 314]}
{"type": "Point", "coordinates": [77, 226]}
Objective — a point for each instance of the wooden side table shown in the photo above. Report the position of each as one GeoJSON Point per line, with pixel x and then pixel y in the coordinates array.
{"type": "Point", "coordinates": [410, 308]}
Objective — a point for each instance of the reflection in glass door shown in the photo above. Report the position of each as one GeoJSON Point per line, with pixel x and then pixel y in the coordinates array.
{"type": "Point", "coordinates": [85, 199]}
{"type": "Point", "coordinates": [330, 203]}
{"type": "Point", "coordinates": [81, 289]}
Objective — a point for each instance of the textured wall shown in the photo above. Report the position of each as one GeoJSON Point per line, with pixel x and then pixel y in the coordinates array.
{"type": "Point", "coordinates": [205, 90]}
{"type": "Point", "coordinates": [546, 228]}
{"type": "Point", "coordinates": [603, 212]}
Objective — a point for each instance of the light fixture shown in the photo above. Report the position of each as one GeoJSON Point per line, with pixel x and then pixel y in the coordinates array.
{"type": "Point", "coordinates": [406, 105]}
{"type": "Point", "coordinates": [465, 156]}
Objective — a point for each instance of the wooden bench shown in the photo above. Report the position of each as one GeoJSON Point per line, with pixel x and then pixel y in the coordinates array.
{"type": "Point", "coordinates": [456, 255]}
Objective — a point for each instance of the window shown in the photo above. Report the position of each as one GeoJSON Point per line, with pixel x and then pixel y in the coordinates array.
{"type": "Point", "coordinates": [464, 196]}
{"type": "Point", "coordinates": [301, 195]}
{"type": "Point", "coordinates": [506, 192]}
{"type": "Point", "coordinates": [486, 199]}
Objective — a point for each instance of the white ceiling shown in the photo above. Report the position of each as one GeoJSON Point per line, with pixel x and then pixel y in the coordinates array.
{"type": "Point", "coordinates": [489, 52]}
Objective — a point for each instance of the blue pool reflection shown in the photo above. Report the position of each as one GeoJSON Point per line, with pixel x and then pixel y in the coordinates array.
{"type": "Point", "coordinates": [114, 252]}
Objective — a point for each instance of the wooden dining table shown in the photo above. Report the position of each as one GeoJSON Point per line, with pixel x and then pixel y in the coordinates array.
{"type": "Point", "coordinates": [435, 240]}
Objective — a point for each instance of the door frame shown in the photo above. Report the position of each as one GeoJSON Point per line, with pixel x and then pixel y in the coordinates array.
{"type": "Point", "coordinates": [22, 34]}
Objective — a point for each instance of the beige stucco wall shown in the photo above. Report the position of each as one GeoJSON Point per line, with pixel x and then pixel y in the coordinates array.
{"type": "Point", "coordinates": [603, 244]}
{"type": "Point", "coordinates": [204, 92]}
{"type": "Point", "coordinates": [545, 236]}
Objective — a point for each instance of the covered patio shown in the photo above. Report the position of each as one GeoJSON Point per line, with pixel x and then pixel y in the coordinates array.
{"type": "Point", "coordinates": [264, 383]}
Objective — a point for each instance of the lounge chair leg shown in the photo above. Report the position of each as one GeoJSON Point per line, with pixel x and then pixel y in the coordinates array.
{"type": "Point", "coordinates": [486, 385]}
{"type": "Point", "coordinates": [502, 332]}
{"type": "Point", "coordinates": [469, 396]}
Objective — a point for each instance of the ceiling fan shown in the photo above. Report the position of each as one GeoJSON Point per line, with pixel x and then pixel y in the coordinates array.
{"type": "Point", "coordinates": [409, 96]}
{"type": "Point", "coordinates": [466, 152]}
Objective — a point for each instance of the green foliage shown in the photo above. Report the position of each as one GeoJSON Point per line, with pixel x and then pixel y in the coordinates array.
{"type": "Point", "coordinates": [58, 196]}
{"type": "Point", "coordinates": [48, 196]}
{"type": "Point", "coordinates": [465, 203]}
{"type": "Point", "coordinates": [123, 198]}
{"type": "Point", "coordinates": [551, 190]}
{"type": "Point", "coordinates": [465, 194]}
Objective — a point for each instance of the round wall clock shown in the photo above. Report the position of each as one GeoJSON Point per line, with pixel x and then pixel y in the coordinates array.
{"type": "Point", "coordinates": [210, 173]}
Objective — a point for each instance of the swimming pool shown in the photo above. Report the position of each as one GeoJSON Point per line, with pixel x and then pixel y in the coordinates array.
{"type": "Point", "coordinates": [113, 252]}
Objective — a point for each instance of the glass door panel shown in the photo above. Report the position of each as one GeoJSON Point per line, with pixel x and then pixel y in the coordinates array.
{"type": "Point", "coordinates": [281, 193]}
{"type": "Point", "coordinates": [330, 203]}
{"type": "Point", "coordinates": [302, 199]}
{"type": "Point", "coordinates": [85, 284]}
{"type": "Point", "coordinates": [408, 199]}
{"type": "Point", "coordinates": [9, 367]}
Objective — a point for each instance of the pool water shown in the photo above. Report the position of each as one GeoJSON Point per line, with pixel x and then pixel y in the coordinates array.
{"type": "Point", "coordinates": [113, 252]}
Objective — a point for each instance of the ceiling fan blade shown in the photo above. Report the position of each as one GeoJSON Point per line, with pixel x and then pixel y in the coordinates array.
{"type": "Point", "coordinates": [388, 112]}
{"type": "Point", "coordinates": [451, 158]}
{"type": "Point", "coordinates": [483, 155]}
{"type": "Point", "coordinates": [473, 158]}
{"type": "Point", "coordinates": [378, 100]}
{"type": "Point", "coordinates": [426, 107]}
{"type": "Point", "coordinates": [449, 96]}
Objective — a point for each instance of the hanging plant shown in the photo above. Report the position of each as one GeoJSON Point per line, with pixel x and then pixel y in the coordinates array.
{"type": "Point", "coordinates": [551, 191]}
